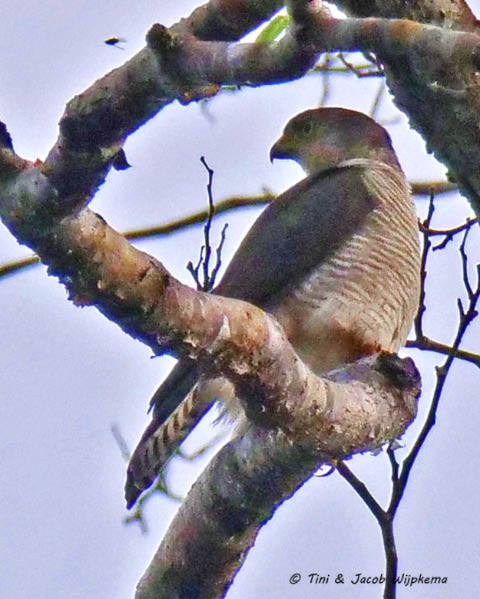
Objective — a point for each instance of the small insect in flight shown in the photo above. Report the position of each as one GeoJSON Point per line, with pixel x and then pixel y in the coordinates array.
{"type": "Point", "coordinates": [115, 41]}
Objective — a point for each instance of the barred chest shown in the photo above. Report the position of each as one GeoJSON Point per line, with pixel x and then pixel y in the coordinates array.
{"type": "Point", "coordinates": [364, 297]}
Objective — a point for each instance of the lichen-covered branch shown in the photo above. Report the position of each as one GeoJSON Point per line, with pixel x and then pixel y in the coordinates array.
{"type": "Point", "coordinates": [239, 490]}
{"type": "Point", "coordinates": [433, 74]}
{"type": "Point", "coordinates": [321, 419]}
{"type": "Point", "coordinates": [96, 123]}
{"type": "Point", "coordinates": [426, 67]}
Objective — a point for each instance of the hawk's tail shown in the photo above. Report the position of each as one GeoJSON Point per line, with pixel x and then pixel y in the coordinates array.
{"type": "Point", "coordinates": [160, 441]}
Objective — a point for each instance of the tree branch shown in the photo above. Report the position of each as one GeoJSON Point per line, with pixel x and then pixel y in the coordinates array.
{"type": "Point", "coordinates": [426, 66]}
{"type": "Point", "coordinates": [452, 14]}
{"type": "Point", "coordinates": [321, 418]}
{"type": "Point", "coordinates": [217, 524]}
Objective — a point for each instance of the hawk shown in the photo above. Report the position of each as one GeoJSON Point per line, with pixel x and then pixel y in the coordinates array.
{"type": "Point", "coordinates": [335, 259]}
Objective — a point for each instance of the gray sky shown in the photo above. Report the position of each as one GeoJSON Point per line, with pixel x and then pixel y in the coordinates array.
{"type": "Point", "coordinates": [67, 374]}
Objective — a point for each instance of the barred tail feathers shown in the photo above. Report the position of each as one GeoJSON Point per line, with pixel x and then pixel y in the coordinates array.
{"type": "Point", "coordinates": [159, 443]}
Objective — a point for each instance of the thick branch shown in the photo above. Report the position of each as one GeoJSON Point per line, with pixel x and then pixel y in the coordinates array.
{"type": "Point", "coordinates": [453, 14]}
{"type": "Point", "coordinates": [221, 517]}
{"type": "Point", "coordinates": [96, 123]}
{"type": "Point", "coordinates": [322, 419]}
{"type": "Point", "coordinates": [227, 20]}
{"type": "Point", "coordinates": [426, 67]}
{"type": "Point", "coordinates": [99, 267]}
{"type": "Point", "coordinates": [433, 75]}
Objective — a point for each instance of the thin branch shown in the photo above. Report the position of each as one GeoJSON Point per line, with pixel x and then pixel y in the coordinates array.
{"type": "Point", "coordinates": [207, 279]}
{"type": "Point", "coordinates": [199, 217]}
{"type": "Point", "coordinates": [399, 477]}
{"type": "Point", "coordinates": [121, 443]}
{"type": "Point", "coordinates": [324, 68]}
{"type": "Point", "coordinates": [449, 234]}
{"type": "Point", "coordinates": [209, 276]}
{"type": "Point", "coordinates": [466, 317]}
{"type": "Point", "coordinates": [418, 322]}
{"type": "Point", "coordinates": [10, 268]}
{"type": "Point", "coordinates": [466, 278]}
{"type": "Point", "coordinates": [226, 205]}
{"type": "Point", "coordinates": [218, 252]}
{"type": "Point", "coordinates": [426, 344]}
{"type": "Point", "coordinates": [361, 489]}
{"type": "Point", "coordinates": [393, 462]}
{"type": "Point", "coordinates": [373, 70]}
{"type": "Point", "coordinates": [382, 88]}
{"type": "Point", "coordinates": [180, 224]}
{"type": "Point", "coordinates": [386, 526]}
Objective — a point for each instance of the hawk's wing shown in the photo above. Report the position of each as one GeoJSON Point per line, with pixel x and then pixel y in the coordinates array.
{"type": "Point", "coordinates": [296, 232]}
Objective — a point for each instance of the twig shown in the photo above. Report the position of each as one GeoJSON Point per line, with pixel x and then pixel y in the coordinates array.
{"type": "Point", "coordinates": [448, 233]}
{"type": "Point", "coordinates": [426, 344]}
{"type": "Point", "coordinates": [400, 475]}
{"type": "Point", "coordinates": [207, 279]}
{"type": "Point", "coordinates": [362, 490]}
{"type": "Point", "coordinates": [325, 79]}
{"type": "Point", "coordinates": [218, 262]}
{"type": "Point", "coordinates": [206, 250]}
{"type": "Point", "coordinates": [377, 99]}
{"type": "Point", "coordinates": [465, 319]}
{"type": "Point", "coordinates": [418, 322]}
{"type": "Point", "coordinates": [386, 526]}
{"type": "Point", "coordinates": [374, 69]}
{"type": "Point", "coordinates": [196, 218]}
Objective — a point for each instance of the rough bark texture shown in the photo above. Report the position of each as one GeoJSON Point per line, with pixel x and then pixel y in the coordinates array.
{"type": "Point", "coordinates": [452, 14]}
{"type": "Point", "coordinates": [250, 477]}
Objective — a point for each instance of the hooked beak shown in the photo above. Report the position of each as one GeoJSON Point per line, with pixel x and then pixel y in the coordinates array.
{"type": "Point", "coordinates": [279, 150]}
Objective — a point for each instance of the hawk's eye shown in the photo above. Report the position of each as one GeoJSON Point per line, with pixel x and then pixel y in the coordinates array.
{"type": "Point", "coordinates": [307, 128]}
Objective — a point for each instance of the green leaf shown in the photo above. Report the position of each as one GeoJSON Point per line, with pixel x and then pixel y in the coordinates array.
{"type": "Point", "coordinates": [276, 27]}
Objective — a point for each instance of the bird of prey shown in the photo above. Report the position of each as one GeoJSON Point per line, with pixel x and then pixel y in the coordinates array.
{"type": "Point", "coordinates": [335, 259]}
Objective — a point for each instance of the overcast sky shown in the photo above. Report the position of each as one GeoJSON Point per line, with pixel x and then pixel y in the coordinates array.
{"type": "Point", "coordinates": [67, 374]}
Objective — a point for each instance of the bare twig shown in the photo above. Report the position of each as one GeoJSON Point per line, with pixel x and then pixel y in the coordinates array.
{"type": "Point", "coordinates": [426, 344]}
{"type": "Point", "coordinates": [324, 67]}
{"type": "Point", "coordinates": [386, 526]}
{"type": "Point", "coordinates": [466, 317]}
{"type": "Point", "coordinates": [382, 88]}
{"type": "Point", "coordinates": [418, 322]}
{"type": "Point", "coordinates": [449, 234]}
{"type": "Point", "coordinates": [208, 279]}
{"type": "Point", "coordinates": [362, 490]}
{"type": "Point", "coordinates": [373, 70]}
